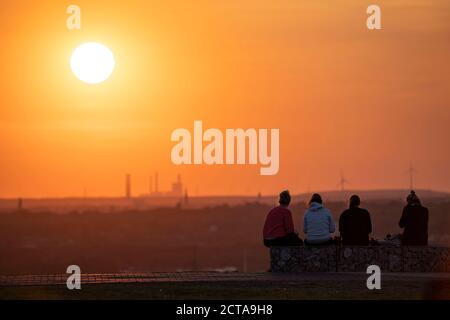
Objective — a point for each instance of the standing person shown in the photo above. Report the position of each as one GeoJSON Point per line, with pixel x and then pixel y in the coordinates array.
{"type": "Point", "coordinates": [318, 224]}
{"type": "Point", "coordinates": [355, 224]}
{"type": "Point", "coordinates": [279, 227]}
{"type": "Point", "coordinates": [414, 220]}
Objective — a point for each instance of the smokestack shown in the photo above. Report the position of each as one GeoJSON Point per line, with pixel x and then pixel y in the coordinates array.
{"type": "Point", "coordinates": [128, 186]}
{"type": "Point", "coordinates": [186, 196]}
{"type": "Point", "coordinates": [150, 185]}
{"type": "Point", "coordinates": [156, 183]}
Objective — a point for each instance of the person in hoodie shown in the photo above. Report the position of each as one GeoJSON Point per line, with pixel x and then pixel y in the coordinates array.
{"type": "Point", "coordinates": [318, 224]}
{"type": "Point", "coordinates": [414, 220]}
{"type": "Point", "coordinates": [355, 224]}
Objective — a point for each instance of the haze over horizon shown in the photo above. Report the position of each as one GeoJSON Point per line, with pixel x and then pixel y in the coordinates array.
{"type": "Point", "coordinates": [387, 193]}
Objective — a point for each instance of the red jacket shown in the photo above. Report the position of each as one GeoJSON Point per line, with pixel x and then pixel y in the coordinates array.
{"type": "Point", "coordinates": [278, 223]}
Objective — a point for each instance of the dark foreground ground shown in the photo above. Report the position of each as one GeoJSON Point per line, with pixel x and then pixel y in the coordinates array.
{"type": "Point", "coordinates": [239, 286]}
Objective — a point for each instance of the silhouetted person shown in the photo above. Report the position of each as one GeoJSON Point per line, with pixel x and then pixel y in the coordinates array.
{"type": "Point", "coordinates": [279, 227]}
{"type": "Point", "coordinates": [318, 224]}
{"type": "Point", "coordinates": [414, 220]}
{"type": "Point", "coordinates": [355, 224]}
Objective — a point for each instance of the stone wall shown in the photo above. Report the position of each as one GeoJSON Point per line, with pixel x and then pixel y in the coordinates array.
{"type": "Point", "coordinates": [357, 259]}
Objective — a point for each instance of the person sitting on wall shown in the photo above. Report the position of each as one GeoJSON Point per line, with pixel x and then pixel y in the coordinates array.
{"type": "Point", "coordinates": [355, 224]}
{"type": "Point", "coordinates": [318, 224]}
{"type": "Point", "coordinates": [414, 220]}
{"type": "Point", "coordinates": [279, 227]}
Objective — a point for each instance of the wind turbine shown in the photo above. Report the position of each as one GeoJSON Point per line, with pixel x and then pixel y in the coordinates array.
{"type": "Point", "coordinates": [411, 171]}
{"type": "Point", "coordinates": [342, 182]}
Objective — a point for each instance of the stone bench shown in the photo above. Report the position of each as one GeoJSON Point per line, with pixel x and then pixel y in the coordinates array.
{"type": "Point", "coordinates": [357, 259]}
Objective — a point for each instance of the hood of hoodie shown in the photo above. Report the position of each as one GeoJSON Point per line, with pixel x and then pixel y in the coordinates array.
{"type": "Point", "coordinates": [314, 206]}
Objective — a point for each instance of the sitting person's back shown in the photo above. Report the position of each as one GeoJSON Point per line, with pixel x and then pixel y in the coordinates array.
{"type": "Point", "coordinates": [414, 220]}
{"type": "Point", "coordinates": [279, 227]}
{"type": "Point", "coordinates": [355, 224]}
{"type": "Point", "coordinates": [318, 224]}
{"type": "Point", "coordinates": [278, 223]}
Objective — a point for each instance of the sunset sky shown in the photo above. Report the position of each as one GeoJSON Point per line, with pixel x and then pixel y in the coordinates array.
{"type": "Point", "coordinates": [344, 97]}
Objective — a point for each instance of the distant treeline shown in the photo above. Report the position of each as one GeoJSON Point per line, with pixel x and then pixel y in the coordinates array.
{"type": "Point", "coordinates": [167, 239]}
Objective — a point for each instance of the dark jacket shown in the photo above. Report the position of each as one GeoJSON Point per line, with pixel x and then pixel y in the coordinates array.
{"type": "Point", "coordinates": [415, 221]}
{"type": "Point", "coordinates": [355, 226]}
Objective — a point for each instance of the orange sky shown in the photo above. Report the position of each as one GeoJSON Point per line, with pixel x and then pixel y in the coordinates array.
{"type": "Point", "coordinates": [343, 97]}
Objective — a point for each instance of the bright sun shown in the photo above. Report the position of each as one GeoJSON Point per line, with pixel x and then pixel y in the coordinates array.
{"type": "Point", "coordinates": [92, 62]}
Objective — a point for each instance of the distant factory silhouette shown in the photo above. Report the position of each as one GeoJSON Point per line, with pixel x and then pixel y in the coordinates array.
{"type": "Point", "coordinates": [176, 190]}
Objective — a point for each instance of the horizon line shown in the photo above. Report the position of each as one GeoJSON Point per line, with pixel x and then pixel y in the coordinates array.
{"type": "Point", "coordinates": [162, 196]}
